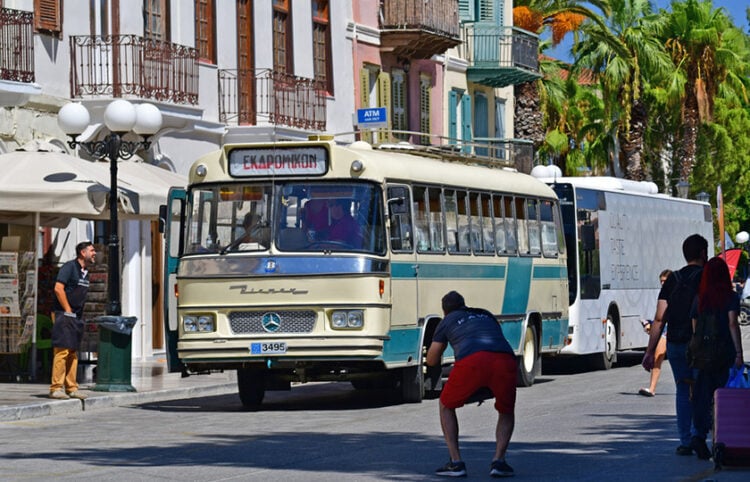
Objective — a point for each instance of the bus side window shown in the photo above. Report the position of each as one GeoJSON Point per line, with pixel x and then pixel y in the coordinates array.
{"type": "Point", "coordinates": [549, 229]}
{"type": "Point", "coordinates": [421, 221]}
{"type": "Point", "coordinates": [535, 242]}
{"type": "Point", "coordinates": [399, 202]}
{"type": "Point", "coordinates": [510, 226]}
{"type": "Point", "coordinates": [521, 228]}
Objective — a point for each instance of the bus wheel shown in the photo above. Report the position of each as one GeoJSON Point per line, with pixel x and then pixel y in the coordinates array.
{"type": "Point", "coordinates": [744, 317]}
{"type": "Point", "coordinates": [528, 362]}
{"type": "Point", "coordinates": [252, 386]}
{"type": "Point", "coordinates": [433, 376]}
{"type": "Point", "coordinates": [605, 359]}
{"type": "Point", "coordinates": [412, 384]}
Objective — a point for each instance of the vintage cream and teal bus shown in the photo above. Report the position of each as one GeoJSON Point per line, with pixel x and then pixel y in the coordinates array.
{"type": "Point", "coordinates": [318, 261]}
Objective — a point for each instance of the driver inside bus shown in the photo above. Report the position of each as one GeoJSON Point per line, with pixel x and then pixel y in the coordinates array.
{"type": "Point", "coordinates": [344, 229]}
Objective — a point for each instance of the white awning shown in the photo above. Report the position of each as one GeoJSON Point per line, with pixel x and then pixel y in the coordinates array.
{"type": "Point", "coordinates": [56, 184]}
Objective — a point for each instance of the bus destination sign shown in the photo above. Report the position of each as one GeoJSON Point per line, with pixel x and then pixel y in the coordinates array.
{"type": "Point", "coordinates": [291, 161]}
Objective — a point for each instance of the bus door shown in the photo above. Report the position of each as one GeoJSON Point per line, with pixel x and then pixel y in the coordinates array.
{"type": "Point", "coordinates": [403, 269]}
{"type": "Point", "coordinates": [172, 217]}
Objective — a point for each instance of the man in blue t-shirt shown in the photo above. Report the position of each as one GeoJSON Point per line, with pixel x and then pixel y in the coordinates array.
{"type": "Point", "coordinates": [484, 358]}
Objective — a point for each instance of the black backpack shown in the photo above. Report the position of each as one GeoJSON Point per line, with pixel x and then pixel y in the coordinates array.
{"type": "Point", "coordinates": [677, 315]}
{"type": "Point", "coordinates": [710, 347]}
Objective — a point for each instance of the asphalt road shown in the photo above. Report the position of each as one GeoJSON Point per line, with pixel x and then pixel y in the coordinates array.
{"type": "Point", "coordinates": [571, 425]}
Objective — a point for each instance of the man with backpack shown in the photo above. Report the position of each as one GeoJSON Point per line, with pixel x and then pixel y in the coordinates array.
{"type": "Point", "coordinates": [673, 307]}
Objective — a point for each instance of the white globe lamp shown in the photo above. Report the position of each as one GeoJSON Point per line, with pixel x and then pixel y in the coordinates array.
{"type": "Point", "coordinates": [148, 119]}
{"type": "Point", "coordinates": [120, 116]}
{"type": "Point", "coordinates": [73, 118]}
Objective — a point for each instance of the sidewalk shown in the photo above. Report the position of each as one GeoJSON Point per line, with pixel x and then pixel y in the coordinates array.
{"type": "Point", "coordinates": [20, 401]}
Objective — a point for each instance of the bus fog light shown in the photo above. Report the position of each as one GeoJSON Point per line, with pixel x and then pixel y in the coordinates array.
{"type": "Point", "coordinates": [206, 323]}
{"type": "Point", "coordinates": [190, 324]}
{"type": "Point", "coordinates": [355, 319]}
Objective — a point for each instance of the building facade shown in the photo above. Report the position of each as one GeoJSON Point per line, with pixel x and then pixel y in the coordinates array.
{"type": "Point", "coordinates": [256, 70]}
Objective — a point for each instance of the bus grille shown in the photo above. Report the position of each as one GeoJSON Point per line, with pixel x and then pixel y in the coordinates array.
{"type": "Point", "coordinates": [290, 321]}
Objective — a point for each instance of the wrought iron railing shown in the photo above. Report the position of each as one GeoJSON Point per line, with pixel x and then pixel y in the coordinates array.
{"type": "Point", "coordinates": [120, 65]}
{"type": "Point", "coordinates": [439, 16]}
{"type": "Point", "coordinates": [254, 97]}
{"type": "Point", "coordinates": [16, 45]}
{"type": "Point", "coordinates": [487, 45]}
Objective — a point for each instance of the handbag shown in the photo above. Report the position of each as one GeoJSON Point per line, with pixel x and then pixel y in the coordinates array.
{"type": "Point", "coordinates": [738, 377]}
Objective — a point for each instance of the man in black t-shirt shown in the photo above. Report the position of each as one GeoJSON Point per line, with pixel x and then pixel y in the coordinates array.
{"type": "Point", "coordinates": [484, 358]}
{"type": "Point", "coordinates": [71, 289]}
{"type": "Point", "coordinates": [695, 251]}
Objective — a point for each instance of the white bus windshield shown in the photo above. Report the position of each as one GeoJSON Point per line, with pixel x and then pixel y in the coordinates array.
{"type": "Point", "coordinates": [292, 216]}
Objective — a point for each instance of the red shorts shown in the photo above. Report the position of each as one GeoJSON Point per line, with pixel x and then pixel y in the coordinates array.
{"type": "Point", "coordinates": [496, 371]}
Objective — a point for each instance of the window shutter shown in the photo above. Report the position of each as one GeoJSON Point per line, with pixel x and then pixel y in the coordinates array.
{"type": "Point", "coordinates": [466, 121]}
{"type": "Point", "coordinates": [384, 100]}
{"type": "Point", "coordinates": [487, 11]}
{"type": "Point", "coordinates": [466, 10]}
{"type": "Point", "coordinates": [364, 88]}
{"type": "Point", "coordinates": [452, 117]}
{"type": "Point", "coordinates": [425, 83]}
{"type": "Point", "coordinates": [398, 86]}
{"type": "Point", "coordinates": [47, 15]}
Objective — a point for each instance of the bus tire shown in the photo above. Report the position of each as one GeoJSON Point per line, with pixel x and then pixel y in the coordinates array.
{"type": "Point", "coordinates": [251, 385]}
{"type": "Point", "coordinates": [744, 316]}
{"type": "Point", "coordinates": [605, 359]}
{"type": "Point", "coordinates": [412, 384]}
{"type": "Point", "coordinates": [528, 362]}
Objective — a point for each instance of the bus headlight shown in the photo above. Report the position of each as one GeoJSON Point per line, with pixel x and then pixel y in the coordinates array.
{"type": "Point", "coordinates": [198, 323]}
{"type": "Point", "coordinates": [351, 319]}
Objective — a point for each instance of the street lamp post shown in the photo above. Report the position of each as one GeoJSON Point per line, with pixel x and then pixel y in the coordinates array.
{"type": "Point", "coordinates": [120, 117]}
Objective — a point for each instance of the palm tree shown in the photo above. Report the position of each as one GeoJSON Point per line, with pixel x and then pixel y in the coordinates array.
{"type": "Point", "coordinates": [696, 41]}
{"type": "Point", "coordinates": [622, 78]}
{"type": "Point", "coordinates": [561, 17]}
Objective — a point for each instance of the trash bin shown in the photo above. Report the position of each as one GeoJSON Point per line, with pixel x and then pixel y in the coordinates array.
{"type": "Point", "coordinates": [114, 356]}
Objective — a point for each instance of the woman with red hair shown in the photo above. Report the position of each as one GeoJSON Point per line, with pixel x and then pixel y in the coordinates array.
{"type": "Point", "coordinates": [718, 303]}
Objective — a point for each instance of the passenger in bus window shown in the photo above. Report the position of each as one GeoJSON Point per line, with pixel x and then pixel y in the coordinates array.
{"type": "Point", "coordinates": [256, 235]}
{"type": "Point", "coordinates": [344, 229]}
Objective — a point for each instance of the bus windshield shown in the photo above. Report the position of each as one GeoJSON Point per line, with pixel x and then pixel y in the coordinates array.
{"type": "Point", "coordinates": [292, 216]}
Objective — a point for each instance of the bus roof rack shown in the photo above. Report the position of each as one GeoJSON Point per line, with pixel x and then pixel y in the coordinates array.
{"type": "Point", "coordinates": [490, 152]}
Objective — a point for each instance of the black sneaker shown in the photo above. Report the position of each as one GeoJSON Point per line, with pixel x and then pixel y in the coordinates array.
{"type": "Point", "coordinates": [701, 449]}
{"type": "Point", "coordinates": [452, 469]}
{"type": "Point", "coordinates": [500, 468]}
{"type": "Point", "coordinates": [684, 450]}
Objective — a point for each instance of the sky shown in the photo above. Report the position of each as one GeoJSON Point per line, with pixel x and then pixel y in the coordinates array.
{"type": "Point", "coordinates": [735, 8]}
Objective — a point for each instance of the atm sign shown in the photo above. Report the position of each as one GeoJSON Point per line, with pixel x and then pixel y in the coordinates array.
{"type": "Point", "coordinates": [291, 161]}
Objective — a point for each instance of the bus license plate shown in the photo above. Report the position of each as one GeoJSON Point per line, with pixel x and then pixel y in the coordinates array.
{"type": "Point", "coordinates": [268, 348]}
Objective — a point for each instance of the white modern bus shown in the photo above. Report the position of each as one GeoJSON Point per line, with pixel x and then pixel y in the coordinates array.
{"type": "Point", "coordinates": [291, 299]}
{"type": "Point", "coordinates": [620, 235]}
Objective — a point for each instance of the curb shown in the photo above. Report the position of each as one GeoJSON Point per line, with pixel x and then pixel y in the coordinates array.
{"type": "Point", "coordinates": [119, 399]}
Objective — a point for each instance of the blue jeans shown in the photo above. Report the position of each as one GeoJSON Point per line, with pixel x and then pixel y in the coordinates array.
{"type": "Point", "coordinates": [706, 382]}
{"type": "Point", "coordinates": [683, 377]}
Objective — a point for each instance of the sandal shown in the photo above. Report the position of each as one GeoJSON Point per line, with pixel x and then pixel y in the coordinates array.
{"type": "Point", "coordinates": [645, 392]}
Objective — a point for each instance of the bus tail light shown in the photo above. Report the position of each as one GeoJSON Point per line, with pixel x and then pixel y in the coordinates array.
{"type": "Point", "coordinates": [382, 288]}
{"type": "Point", "coordinates": [176, 291]}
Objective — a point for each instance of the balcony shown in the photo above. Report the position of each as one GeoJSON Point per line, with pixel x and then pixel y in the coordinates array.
{"type": "Point", "coordinates": [130, 65]}
{"type": "Point", "coordinates": [263, 96]}
{"type": "Point", "coordinates": [16, 45]}
{"type": "Point", "coordinates": [16, 58]}
{"type": "Point", "coordinates": [419, 29]}
{"type": "Point", "coordinates": [500, 56]}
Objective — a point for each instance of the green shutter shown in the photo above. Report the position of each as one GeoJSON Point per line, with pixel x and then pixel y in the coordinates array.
{"type": "Point", "coordinates": [466, 10]}
{"type": "Point", "coordinates": [466, 121]}
{"type": "Point", "coordinates": [452, 117]}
